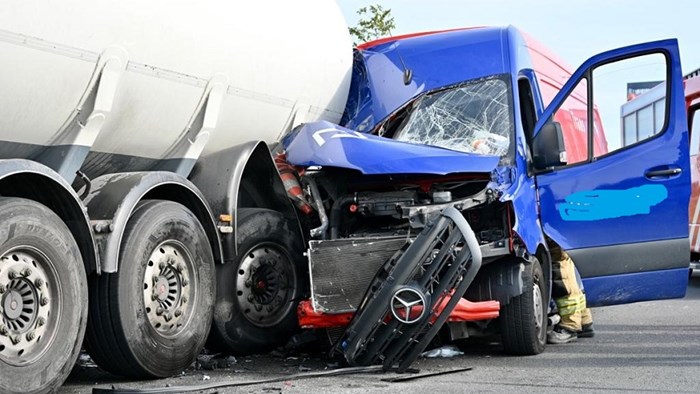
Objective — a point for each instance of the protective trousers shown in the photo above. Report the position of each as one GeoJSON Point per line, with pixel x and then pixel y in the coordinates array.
{"type": "Point", "coordinates": [566, 291]}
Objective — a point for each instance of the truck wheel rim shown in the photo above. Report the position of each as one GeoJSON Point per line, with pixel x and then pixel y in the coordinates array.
{"type": "Point", "coordinates": [265, 285]}
{"type": "Point", "coordinates": [168, 288]}
{"type": "Point", "coordinates": [30, 305]}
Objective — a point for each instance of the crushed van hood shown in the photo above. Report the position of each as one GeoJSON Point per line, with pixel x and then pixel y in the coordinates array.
{"type": "Point", "coordinates": [328, 145]}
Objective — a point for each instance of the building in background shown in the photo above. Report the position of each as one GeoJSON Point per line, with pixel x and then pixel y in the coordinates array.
{"type": "Point", "coordinates": [644, 113]}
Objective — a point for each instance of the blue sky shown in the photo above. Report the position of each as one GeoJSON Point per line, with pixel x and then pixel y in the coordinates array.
{"type": "Point", "coordinates": [573, 29]}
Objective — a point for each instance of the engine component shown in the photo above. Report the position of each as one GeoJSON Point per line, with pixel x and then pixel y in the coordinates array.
{"type": "Point", "coordinates": [441, 196]}
{"type": "Point", "coordinates": [316, 196]}
{"type": "Point", "coordinates": [384, 204]}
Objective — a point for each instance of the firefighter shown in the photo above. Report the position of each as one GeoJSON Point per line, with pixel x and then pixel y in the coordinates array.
{"type": "Point", "coordinates": [567, 291]}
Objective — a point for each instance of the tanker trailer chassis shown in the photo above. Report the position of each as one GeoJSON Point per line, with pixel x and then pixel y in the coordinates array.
{"type": "Point", "coordinates": [104, 237]}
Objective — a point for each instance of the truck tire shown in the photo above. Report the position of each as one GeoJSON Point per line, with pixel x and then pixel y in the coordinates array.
{"type": "Point", "coordinates": [524, 319]}
{"type": "Point", "coordinates": [151, 318]}
{"type": "Point", "coordinates": [43, 298]}
{"type": "Point", "coordinates": [259, 292]}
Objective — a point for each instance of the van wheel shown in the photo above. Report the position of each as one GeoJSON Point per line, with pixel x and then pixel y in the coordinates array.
{"type": "Point", "coordinates": [259, 292]}
{"type": "Point", "coordinates": [151, 318]}
{"type": "Point", "coordinates": [43, 298]}
{"type": "Point", "coordinates": [524, 319]}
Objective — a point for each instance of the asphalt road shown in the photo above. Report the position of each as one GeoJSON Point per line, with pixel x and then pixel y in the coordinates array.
{"type": "Point", "coordinates": [643, 347]}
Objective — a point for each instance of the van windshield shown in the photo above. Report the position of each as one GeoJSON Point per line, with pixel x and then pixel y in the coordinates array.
{"type": "Point", "coordinates": [472, 118]}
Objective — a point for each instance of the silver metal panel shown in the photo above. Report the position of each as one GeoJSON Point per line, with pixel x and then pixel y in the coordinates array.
{"type": "Point", "coordinates": [341, 270]}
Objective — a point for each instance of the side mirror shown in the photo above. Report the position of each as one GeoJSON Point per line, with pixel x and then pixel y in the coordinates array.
{"type": "Point", "coordinates": [548, 147]}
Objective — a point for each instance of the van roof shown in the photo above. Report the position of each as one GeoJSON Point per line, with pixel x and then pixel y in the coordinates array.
{"type": "Point", "coordinates": [438, 59]}
{"type": "Point", "coordinates": [435, 60]}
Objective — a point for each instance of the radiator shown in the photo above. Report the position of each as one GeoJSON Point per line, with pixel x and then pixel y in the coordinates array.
{"type": "Point", "coordinates": [341, 270]}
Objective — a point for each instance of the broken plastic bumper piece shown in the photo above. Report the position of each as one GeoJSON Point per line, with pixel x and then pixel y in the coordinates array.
{"type": "Point", "coordinates": [413, 295]}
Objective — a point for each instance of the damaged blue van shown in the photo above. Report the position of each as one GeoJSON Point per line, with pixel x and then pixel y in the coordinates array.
{"type": "Point", "coordinates": [487, 123]}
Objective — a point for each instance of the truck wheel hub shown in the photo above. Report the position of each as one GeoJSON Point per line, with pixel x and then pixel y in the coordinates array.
{"type": "Point", "coordinates": [29, 305]}
{"type": "Point", "coordinates": [163, 288]}
{"type": "Point", "coordinates": [265, 279]}
{"type": "Point", "coordinates": [168, 286]}
{"type": "Point", "coordinates": [14, 302]}
{"type": "Point", "coordinates": [263, 285]}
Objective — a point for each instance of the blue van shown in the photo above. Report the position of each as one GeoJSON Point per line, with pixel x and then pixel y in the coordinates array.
{"type": "Point", "coordinates": [487, 123]}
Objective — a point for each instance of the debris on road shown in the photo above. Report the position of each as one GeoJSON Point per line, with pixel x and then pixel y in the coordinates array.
{"type": "Point", "coordinates": [425, 375]}
{"type": "Point", "coordinates": [212, 362]}
{"type": "Point", "coordinates": [443, 352]}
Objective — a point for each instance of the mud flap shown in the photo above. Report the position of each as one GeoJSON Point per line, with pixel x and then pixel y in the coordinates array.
{"type": "Point", "coordinates": [413, 294]}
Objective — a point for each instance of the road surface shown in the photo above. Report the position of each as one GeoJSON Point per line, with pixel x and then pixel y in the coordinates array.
{"type": "Point", "coordinates": [649, 347]}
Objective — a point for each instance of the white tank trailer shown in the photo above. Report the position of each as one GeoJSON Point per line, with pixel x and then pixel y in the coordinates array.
{"type": "Point", "coordinates": [133, 142]}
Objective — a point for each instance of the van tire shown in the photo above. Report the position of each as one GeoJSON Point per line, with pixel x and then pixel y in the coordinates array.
{"type": "Point", "coordinates": [523, 320]}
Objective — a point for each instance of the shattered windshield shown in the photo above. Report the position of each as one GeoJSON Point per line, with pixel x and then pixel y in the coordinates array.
{"type": "Point", "coordinates": [472, 118]}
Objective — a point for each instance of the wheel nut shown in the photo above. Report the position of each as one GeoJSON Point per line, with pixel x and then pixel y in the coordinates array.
{"type": "Point", "coordinates": [180, 267]}
{"type": "Point", "coordinates": [178, 313]}
{"type": "Point", "coordinates": [258, 308]}
{"type": "Point", "coordinates": [184, 299]}
{"type": "Point", "coordinates": [250, 297]}
{"type": "Point", "coordinates": [30, 336]}
{"type": "Point", "coordinates": [2, 289]}
{"type": "Point", "coordinates": [185, 282]}
{"type": "Point", "coordinates": [3, 330]}
{"type": "Point", "coordinates": [168, 317]}
{"type": "Point", "coordinates": [40, 322]}
{"type": "Point", "coordinates": [248, 283]}
{"type": "Point", "coordinates": [15, 340]}
{"type": "Point", "coordinates": [38, 283]}
{"type": "Point", "coordinates": [154, 297]}
{"type": "Point", "coordinates": [26, 272]}
{"type": "Point", "coordinates": [161, 265]}
{"type": "Point", "coordinates": [44, 300]}
{"type": "Point", "coordinates": [159, 311]}
{"type": "Point", "coordinates": [12, 274]}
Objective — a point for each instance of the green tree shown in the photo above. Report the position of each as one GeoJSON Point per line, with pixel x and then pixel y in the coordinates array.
{"type": "Point", "coordinates": [375, 22]}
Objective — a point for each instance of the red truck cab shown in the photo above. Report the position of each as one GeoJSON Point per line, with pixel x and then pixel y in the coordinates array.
{"type": "Point", "coordinates": [692, 100]}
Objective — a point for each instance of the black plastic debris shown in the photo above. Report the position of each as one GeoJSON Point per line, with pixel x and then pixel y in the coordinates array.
{"type": "Point", "coordinates": [412, 295]}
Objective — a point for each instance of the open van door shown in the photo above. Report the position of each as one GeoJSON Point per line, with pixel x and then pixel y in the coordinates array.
{"type": "Point", "coordinates": [621, 209]}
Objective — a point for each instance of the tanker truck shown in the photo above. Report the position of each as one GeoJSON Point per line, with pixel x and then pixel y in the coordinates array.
{"type": "Point", "coordinates": [107, 108]}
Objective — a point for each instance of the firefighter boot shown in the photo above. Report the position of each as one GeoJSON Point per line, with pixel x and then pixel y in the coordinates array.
{"type": "Point", "coordinates": [561, 335]}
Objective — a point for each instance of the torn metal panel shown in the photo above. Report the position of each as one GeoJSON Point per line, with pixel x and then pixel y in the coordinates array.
{"type": "Point", "coordinates": [341, 270]}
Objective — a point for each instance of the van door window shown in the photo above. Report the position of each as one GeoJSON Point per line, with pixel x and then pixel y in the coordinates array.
{"type": "Point", "coordinates": [629, 102]}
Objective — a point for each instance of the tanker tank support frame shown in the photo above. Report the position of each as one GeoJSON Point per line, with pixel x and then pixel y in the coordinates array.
{"type": "Point", "coordinates": [68, 148]}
